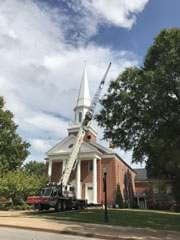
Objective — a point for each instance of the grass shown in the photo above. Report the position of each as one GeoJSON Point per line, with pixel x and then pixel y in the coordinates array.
{"type": "Point", "coordinates": [125, 217]}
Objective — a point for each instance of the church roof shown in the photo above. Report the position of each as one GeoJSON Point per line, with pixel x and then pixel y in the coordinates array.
{"type": "Point", "coordinates": [101, 148]}
{"type": "Point", "coordinates": [84, 96]}
{"type": "Point", "coordinates": [65, 147]}
{"type": "Point", "coordinates": [141, 174]}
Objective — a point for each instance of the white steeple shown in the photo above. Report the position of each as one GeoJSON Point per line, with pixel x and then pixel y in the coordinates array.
{"type": "Point", "coordinates": [83, 101]}
{"type": "Point", "coordinates": [82, 106]}
{"type": "Point", "coordinates": [84, 97]}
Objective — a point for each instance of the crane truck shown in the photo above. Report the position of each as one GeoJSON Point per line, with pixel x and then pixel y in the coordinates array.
{"type": "Point", "coordinates": [60, 196]}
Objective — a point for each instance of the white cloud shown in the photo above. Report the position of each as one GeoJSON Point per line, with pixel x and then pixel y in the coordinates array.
{"type": "Point", "coordinates": [121, 13]}
{"type": "Point", "coordinates": [40, 73]}
{"type": "Point", "coordinates": [40, 145]}
{"type": "Point", "coordinates": [53, 126]}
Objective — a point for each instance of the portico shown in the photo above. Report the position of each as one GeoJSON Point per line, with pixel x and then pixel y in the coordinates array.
{"type": "Point", "coordinates": [85, 179]}
{"type": "Point", "coordinates": [92, 184]}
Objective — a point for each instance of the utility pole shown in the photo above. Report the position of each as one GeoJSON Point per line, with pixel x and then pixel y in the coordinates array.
{"type": "Point", "coordinates": [106, 218]}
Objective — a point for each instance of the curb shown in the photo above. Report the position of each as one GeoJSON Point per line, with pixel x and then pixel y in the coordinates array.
{"type": "Point", "coordinates": [90, 235]}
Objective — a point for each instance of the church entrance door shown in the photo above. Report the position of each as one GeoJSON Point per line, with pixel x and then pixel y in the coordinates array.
{"type": "Point", "coordinates": [89, 193]}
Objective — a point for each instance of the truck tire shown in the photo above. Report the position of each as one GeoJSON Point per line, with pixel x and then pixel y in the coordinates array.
{"type": "Point", "coordinates": [58, 206]}
{"type": "Point", "coordinates": [69, 205]}
{"type": "Point", "coordinates": [64, 205]}
{"type": "Point", "coordinates": [46, 207]}
{"type": "Point", "coordinates": [35, 207]}
{"type": "Point", "coordinates": [77, 207]}
{"type": "Point", "coordinates": [39, 206]}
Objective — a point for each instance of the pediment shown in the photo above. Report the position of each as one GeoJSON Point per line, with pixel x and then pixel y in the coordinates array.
{"type": "Point", "coordinates": [66, 146]}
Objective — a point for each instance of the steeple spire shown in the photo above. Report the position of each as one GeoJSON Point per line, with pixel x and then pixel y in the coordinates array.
{"type": "Point", "coordinates": [83, 101]}
{"type": "Point", "coordinates": [84, 97]}
{"type": "Point", "coordinates": [82, 106]}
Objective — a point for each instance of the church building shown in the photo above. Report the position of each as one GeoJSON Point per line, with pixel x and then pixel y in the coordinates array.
{"type": "Point", "coordinates": [94, 159]}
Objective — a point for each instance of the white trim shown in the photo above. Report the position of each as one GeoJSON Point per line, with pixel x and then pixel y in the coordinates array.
{"type": "Point", "coordinates": [50, 169]}
{"type": "Point", "coordinates": [63, 149]}
{"type": "Point", "coordinates": [82, 156]}
{"type": "Point", "coordinates": [63, 165]}
{"type": "Point", "coordinates": [57, 145]}
{"type": "Point", "coordinates": [95, 180]}
{"type": "Point", "coordinates": [73, 128]}
{"type": "Point", "coordinates": [78, 180]}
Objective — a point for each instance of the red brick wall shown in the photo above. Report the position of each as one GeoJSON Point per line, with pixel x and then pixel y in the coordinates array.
{"type": "Point", "coordinates": [115, 174]}
{"type": "Point", "coordinates": [86, 176]}
{"type": "Point", "coordinates": [121, 170]}
{"type": "Point", "coordinates": [142, 187]}
{"type": "Point", "coordinates": [90, 137]}
{"type": "Point", "coordinates": [56, 171]}
{"type": "Point", "coordinates": [109, 164]}
{"type": "Point", "coordinates": [116, 171]}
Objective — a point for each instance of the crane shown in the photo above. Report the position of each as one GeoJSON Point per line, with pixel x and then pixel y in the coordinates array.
{"type": "Point", "coordinates": [57, 196]}
{"type": "Point", "coordinates": [72, 161]}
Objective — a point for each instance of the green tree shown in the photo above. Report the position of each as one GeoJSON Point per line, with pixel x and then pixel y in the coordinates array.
{"type": "Point", "coordinates": [119, 199]}
{"type": "Point", "coordinates": [13, 150]}
{"type": "Point", "coordinates": [35, 168]}
{"type": "Point", "coordinates": [17, 185]}
{"type": "Point", "coordinates": [141, 111]}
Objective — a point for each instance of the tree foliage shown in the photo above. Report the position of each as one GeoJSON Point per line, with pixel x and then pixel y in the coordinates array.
{"type": "Point", "coordinates": [17, 185]}
{"type": "Point", "coordinates": [35, 168]}
{"type": "Point", "coordinates": [13, 150]}
{"type": "Point", "coordinates": [141, 111]}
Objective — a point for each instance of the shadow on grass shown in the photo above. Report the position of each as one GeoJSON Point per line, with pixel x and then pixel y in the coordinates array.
{"type": "Point", "coordinates": [125, 217]}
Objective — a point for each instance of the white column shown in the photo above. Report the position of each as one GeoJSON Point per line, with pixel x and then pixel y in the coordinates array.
{"type": "Point", "coordinates": [78, 180]}
{"type": "Point", "coordinates": [63, 165]}
{"type": "Point", "coordinates": [95, 180]}
{"type": "Point", "coordinates": [50, 170]}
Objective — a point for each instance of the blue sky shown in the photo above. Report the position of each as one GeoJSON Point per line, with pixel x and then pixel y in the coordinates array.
{"type": "Point", "coordinates": [43, 45]}
{"type": "Point", "coordinates": [157, 14]}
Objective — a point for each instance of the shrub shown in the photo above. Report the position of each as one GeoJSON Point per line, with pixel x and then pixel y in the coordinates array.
{"type": "Point", "coordinates": [119, 199]}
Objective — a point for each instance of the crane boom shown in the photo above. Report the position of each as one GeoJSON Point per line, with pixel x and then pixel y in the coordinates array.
{"type": "Point", "coordinates": [72, 161]}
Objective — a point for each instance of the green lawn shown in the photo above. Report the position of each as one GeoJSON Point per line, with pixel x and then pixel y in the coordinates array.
{"type": "Point", "coordinates": [133, 218]}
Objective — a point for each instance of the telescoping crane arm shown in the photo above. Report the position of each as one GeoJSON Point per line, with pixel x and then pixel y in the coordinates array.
{"type": "Point", "coordinates": [72, 161]}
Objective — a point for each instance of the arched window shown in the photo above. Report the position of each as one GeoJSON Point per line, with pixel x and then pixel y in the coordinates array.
{"type": "Point", "coordinates": [80, 116]}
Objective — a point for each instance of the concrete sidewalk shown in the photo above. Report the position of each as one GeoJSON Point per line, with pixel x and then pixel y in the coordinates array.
{"type": "Point", "coordinates": [21, 220]}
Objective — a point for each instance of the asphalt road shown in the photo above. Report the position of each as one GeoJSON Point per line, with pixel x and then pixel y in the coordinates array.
{"type": "Point", "coordinates": [21, 234]}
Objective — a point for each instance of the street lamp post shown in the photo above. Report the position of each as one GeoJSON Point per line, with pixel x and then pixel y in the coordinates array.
{"type": "Point", "coordinates": [106, 219]}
